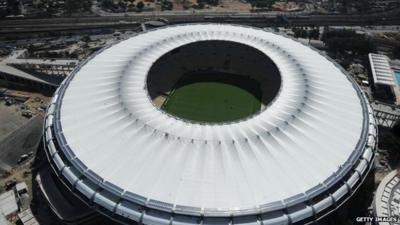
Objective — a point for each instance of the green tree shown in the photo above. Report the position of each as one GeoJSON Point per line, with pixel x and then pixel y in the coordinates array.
{"type": "Point", "coordinates": [396, 51]}
{"type": "Point", "coordinates": [3, 13]}
{"type": "Point", "coordinates": [86, 38]}
{"type": "Point", "coordinates": [212, 2]}
{"type": "Point", "coordinates": [347, 40]}
{"type": "Point", "coordinates": [314, 33]}
{"type": "Point", "coordinates": [73, 6]}
{"type": "Point", "coordinates": [356, 45]}
{"type": "Point", "coordinates": [299, 32]}
{"type": "Point", "coordinates": [107, 4]}
{"type": "Point", "coordinates": [12, 7]}
{"type": "Point", "coordinates": [140, 5]}
{"type": "Point", "coordinates": [166, 5]}
{"type": "Point", "coordinates": [200, 4]}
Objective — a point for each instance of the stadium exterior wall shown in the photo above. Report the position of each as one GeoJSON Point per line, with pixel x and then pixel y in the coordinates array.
{"type": "Point", "coordinates": [126, 207]}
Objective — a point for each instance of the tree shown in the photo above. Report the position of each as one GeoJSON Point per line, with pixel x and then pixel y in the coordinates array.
{"type": "Point", "coordinates": [140, 5]}
{"type": "Point", "coordinates": [299, 32]}
{"type": "Point", "coordinates": [343, 33]}
{"type": "Point", "coordinates": [3, 13]}
{"type": "Point", "coordinates": [356, 45]}
{"type": "Point", "coordinates": [166, 5]}
{"type": "Point", "coordinates": [347, 40]}
{"type": "Point", "coordinates": [86, 38]}
{"type": "Point", "coordinates": [87, 5]}
{"type": "Point", "coordinates": [261, 3]}
{"type": "Point", "coordinates": [200, 4]}
{"type": "Point", "coordinates": [30, 49]}
{"type": "Point", "coordinates": [396, 51]}
{"type": "Point", "coordinates": [13, 7]}
{"type": "Point", "coordinates": [107, 4]}
{"type": "Point", "coordinates": [212, 2]}
{"type": "Point", "coordinates": [314, 33]}
{"type": "Point", "coordinates": [73, 6]}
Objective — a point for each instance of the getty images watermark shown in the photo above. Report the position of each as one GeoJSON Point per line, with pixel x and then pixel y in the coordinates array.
{"type": "Point", "coordinates": [362, 219]}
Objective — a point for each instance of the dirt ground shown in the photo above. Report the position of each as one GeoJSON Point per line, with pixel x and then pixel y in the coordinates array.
{"type": "Point", "coordinates": [20, 174]}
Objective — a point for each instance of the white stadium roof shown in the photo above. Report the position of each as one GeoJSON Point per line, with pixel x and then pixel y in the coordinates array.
{"type": "Point", "coordinates": [105, 132]}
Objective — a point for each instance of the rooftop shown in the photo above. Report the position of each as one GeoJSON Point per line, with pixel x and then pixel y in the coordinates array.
{"type": "Point", "coordinates": [382, 73]}
{"type": "Point", "coordinates": [317, 135]}
{"type": "Point", "coordinates": [8, 203]}
{"type": "Point", "coordinates": [27, 218]}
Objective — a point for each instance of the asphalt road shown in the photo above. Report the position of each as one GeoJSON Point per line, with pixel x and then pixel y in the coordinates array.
{"type": "Point", "coordinates": [27, 25]}
{"type": "Point", "coordinates": [10, 119]}
{"type": "Point", "coordinates": [23, 140]}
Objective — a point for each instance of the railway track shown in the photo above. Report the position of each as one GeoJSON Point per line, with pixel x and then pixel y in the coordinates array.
{"type": "Point", "coordinates": [14, 26]}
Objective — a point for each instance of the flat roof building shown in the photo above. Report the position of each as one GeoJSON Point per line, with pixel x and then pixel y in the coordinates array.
{"type": "Point", "coordinates": [27, 218]}
{"type": "Point", "coordinates": [8, 204]}
{"type": "Point", "coordinates": [385, 83]}
{"type": "Point", "coordinates": [3, 220]}
{"type": "Point", "coordinates": [382, 73]}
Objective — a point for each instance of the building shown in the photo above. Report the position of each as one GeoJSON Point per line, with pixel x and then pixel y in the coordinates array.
{"type": "Point", "coordinates": [3, 220]}
{"type": "Point", "coordinates": [27, 218]}
{"type": "Point", "coordinates": [385, 86]}
{"type": "Point", "coordinates": [381, 5]}
{"type": "Point", "coordinates": [21, 190]}
{"type": "Point", "coordinates": [42, 74]}
{"type": "Point", "coordinates": [387, 200]}
{"type": "Point", "coordinates": [382, 74]}
{"type": "Point", "coordinates": [295, 160]}
{"type": "Point", "coordinates": [8, 205]}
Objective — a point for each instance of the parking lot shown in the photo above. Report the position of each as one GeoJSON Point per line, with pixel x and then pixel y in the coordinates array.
{"type": "Point", "coordinates": [10, 119]}
{"type": "Point", "coordinates": [18, 135]}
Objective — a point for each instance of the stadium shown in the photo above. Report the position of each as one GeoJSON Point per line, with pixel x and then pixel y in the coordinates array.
{"type": "Point", "coordinates": [210, 124]}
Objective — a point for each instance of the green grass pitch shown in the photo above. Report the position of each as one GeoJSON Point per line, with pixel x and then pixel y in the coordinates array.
{"type": "Point", "coordinates": [211, 102]}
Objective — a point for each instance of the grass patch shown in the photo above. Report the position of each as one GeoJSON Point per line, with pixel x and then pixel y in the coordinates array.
{"type": "Point", "coordinates": [211, 102]}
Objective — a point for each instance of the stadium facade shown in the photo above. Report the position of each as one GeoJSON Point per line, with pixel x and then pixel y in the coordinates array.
{"type": "Point", "coordinates": [295, 161]}
{"type": "Point", "coordinates": [387, 200]}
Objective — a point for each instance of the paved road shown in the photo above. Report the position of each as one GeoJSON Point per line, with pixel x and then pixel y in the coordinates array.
{"type": "Point", "coordinates": [23, 140]}
{"type": "Point", "coordinates": [133, 20]}
{"type": "Point", "coordinates": [10, 119]}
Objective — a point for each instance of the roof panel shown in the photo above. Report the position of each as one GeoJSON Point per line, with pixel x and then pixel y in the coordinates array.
{"type": "Point", "coordinates": [381, 70]}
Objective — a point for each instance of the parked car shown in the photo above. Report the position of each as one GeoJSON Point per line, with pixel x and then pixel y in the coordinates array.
{"type": "Point", "coordinates": [24, 157]}
{"type": "Point", "coordinates": [10, 184]}
{"type": "Point", "coordinates": [27, 113]}
{"type": "Point", "coordinates": [9, 101]}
